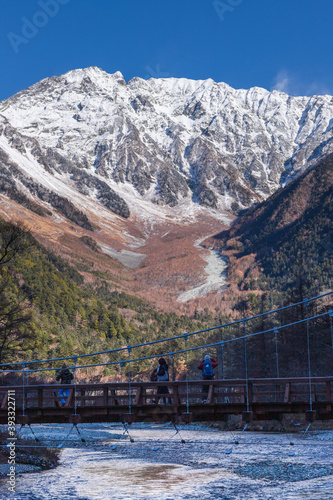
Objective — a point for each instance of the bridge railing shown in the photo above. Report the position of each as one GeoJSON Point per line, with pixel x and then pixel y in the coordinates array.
{"type": "Point", "coordinates": [226, 392]}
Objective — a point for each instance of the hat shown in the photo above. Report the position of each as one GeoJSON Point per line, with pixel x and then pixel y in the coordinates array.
{"type": "Point", "coordinates": [207, 357]}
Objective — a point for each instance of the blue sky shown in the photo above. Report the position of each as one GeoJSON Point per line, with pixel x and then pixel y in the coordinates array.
{"type": "Point", "coordinates": [283, 44]}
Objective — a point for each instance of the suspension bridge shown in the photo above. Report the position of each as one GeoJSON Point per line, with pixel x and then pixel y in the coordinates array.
{"type": "Point", "coordinates": [133, 400]}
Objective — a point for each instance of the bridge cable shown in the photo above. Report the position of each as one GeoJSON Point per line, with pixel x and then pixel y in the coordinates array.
{"type": "Point", "coordinates": [306, 302]}
{"type": "Point", "coordinates": [186, 371]}
{"type": "Point", "coordinates": [75, 402]}
{"type": "Point", "coordinates": [222, 359]}
{"type": "Point", "coordinates": [246, 370]}
{"type": "Point", "coordinates": [23, 402]}
{"type": "Point", "coordinates": [23, 387]}
{"type": "Point", "coordinates": [158, 355]}
{"type": "Point", "coordinates": [25, 372]}
{"type": "Point", "coordinates": [75, 406]}
{"type": "Point", "coordinates": [178, 336]}
{"type": "Point", "coordinates": [306, 430]}
{"type": "Point", "coordinates": [121, 364]}
{"type": "Point", "coordinates": [32, 432]}
{"type": "Point", "coordinates": [235, 439]}
{"type": "Point", "coordinates": [276, 353]}
{"type": "Point", "coordinates": [330, 312]}
{"type": "Point", "coordinates": [177, 432]}
{"type": "Point", "coordinates": [126, 431]}
{"type": "Point", "coordinates": [129, 348]}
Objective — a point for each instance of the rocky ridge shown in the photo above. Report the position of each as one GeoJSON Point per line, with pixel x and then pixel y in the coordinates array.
{"type": "Point", "coordinates": [167, 140]}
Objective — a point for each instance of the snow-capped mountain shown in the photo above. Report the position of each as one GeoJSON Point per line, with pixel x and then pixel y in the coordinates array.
{"type": "Point", "coordinates": [89, 134]}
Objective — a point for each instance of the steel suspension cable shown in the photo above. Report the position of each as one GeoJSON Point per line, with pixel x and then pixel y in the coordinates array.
{"type": "Point", "coordinates": [23, 387]}
{"type": "Point", "coordinates": [246, 371]}
{"type": "Point", "coordinates": [213, 344]}
{"type": "Point", "coordinates": [186, 372]}
{"type": "Point", "coordinates": [276, 353]}
{"type": "Point", "coordinates": [129, 348]}
{"type": "Point", "coordinates": [222, 359]}
{"type": "Point", "coordinates": [171, 338]}
{"type": "Point", "coordinates": [121, 363]}
{"type": "Point", "coordinates": [75, 403]}
{"type": "Point", "coordinates": [330, 312]}
{"type": "Point", "coordinates": [308, 345]}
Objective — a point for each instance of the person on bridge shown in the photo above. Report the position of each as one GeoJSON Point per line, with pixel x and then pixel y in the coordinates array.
{"type": "Point", "coordinates": [207, 366]}
{"type": "Point", "coordinates": [65, 376]}
{"type": "Point", "coordinates": [162, 374]}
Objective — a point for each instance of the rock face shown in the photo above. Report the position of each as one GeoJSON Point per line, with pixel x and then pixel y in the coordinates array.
{"type": "Point", "coordinates": [161, 140]}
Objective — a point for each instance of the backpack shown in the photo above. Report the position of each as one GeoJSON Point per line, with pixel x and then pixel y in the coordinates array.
{"type": "Point", "coordinates": [153, 376]}
{"type": "Point", "coordinates": [162, 373]}
{"type": "Point", "coordinates": [207, 371]}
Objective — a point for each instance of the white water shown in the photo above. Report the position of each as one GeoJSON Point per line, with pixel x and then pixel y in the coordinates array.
{"type": "Point", "coordinates": [158, 465]}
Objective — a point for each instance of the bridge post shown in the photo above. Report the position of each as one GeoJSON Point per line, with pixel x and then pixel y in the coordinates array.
{"type": "Point", "coordinates": [175, 395]}
{"type": "Point", "coordinates": [40, 397]}
{"type": "Point", "coordinates": [70, 399]}
{"type": "Point", "coordinates": [211, 396]}
{"type": "Point", "coordinates": [83, 399]}
{"type": "Point", "coordinates": [23, 419]}
{"type": "Point", "coordinates": [247, 416]}
{"type": "Point", "coordinates": [74, 419]}
{"type": "Point", "coordinates": [138, 397]}
{"type": "Point", "coordinates": [328, 395]}
{"type": "Point", "coordinates": [287, 393]}
{"type": "Point", "coordinates": [310, 416]}
{"type": "Point", "coordinates": [106, 396]}
{"type": "Point", "coordinates": [4, 401]}
{"type": "Point", "coordinates": [250, 392]}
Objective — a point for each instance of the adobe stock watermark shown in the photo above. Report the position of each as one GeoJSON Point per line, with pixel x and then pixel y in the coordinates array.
{"type": "Point", "coordinates": [223, 7]}
{"type": "Point", "coordinates": [156, 72]}
{"type": "Point", "coordinates": [11, 441]}
{"type": "Point", "coordinates": [30, 27]}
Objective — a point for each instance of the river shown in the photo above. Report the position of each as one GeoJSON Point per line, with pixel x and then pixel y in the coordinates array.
{"type": "Point", "coordinates": [158, 465]}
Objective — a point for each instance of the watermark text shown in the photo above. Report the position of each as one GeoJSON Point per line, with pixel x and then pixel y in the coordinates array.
{"type": "Point", "coordinates": [30, 27]}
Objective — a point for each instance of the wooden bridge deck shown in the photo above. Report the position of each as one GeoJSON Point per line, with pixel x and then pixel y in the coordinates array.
{"type": "Point", "coordinates": [257, 399]}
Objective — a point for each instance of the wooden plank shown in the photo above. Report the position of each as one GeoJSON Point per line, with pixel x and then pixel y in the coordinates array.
{"type": "Point", "coordinates": [106, 396]}
{"type": "Point", "coordinates": [4, 401]}
{"type": "Point", "coordinates": [138, 396]}
{"type": "Point", "coordinates": [211, 396]}
{"type": "Point", "coordinates": [287, 393]}
{"type": "Point", "coordinates": [40, 397]}
{"type": "Point", "coordinates": [250, 392]}
{"type": "Point", "coordinates": [175, 395]}
{"type": "Point", "coordinates": [70, 399]}
{"type": "Point", "coordinates": [328, 395]}
{"type": "Point", "coordinates": [114, 400]}
{"type": "Point", "coordinates": [83, 397]}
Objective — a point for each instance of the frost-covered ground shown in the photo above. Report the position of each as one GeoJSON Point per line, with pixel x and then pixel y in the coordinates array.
{"type": "Point", "coordinates": [208, 465]}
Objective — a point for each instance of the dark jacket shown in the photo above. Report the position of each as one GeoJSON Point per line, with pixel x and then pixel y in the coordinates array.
{"type": "Point", "coordinates": [65, 376]}
{"type": "Point", "coordinates": [162, 373]}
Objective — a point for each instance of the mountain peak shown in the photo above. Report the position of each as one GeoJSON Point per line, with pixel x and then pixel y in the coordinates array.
{"type": "Point", "coordinates": [169, 140]}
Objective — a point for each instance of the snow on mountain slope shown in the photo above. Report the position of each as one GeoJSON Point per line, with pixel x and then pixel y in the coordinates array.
{"type": "Point", "coordinates": [167, 141]}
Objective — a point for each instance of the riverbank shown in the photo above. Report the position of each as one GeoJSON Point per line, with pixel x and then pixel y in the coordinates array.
{"type": "Point", "coordinates": [185, 463]}
{"type": "Point", "coordinates": [28, 456]}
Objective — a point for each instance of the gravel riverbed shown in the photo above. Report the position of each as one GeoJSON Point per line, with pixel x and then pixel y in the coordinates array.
{"type": "Point", "coordinates": [190, 462]}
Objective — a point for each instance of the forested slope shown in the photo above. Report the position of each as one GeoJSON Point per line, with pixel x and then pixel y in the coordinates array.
{"type": "Point", "coordinates": [289, 236]}
{"type": "Point", "coordinates": [47, 309]}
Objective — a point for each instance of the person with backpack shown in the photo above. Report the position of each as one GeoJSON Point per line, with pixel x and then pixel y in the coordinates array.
{"type": "Point", "coordinates": [162, 375]}
{"type": "Point", "coordinates": [65, 376]}
{"type": "Point", "coordinates": [207, 366]}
